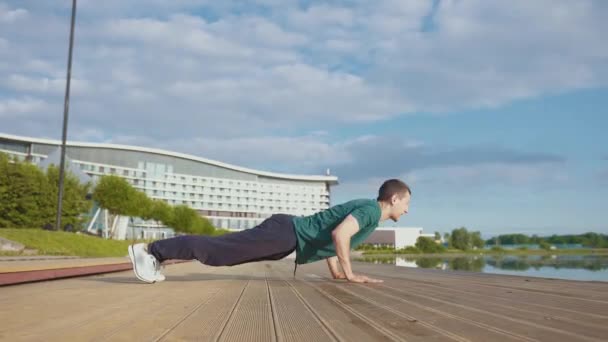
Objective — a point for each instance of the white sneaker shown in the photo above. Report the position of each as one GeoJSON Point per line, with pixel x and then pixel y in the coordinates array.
{"type": "Point", "coordinates": [145, 265]}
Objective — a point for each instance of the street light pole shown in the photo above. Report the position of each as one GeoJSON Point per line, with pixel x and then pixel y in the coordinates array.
{"type": "Point", "coordinates": [66, 107]}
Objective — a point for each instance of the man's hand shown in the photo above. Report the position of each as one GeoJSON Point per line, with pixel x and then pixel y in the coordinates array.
{"type": "Point", "coordinates": [356, 278]}
{"type": "Point", "coordinates": [339, 275]}
{"type": "Point", "coordinates": [334, 269]}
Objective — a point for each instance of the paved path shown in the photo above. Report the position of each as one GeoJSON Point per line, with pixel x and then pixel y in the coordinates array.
{"type": "Point", "coordinates": [263, 302]}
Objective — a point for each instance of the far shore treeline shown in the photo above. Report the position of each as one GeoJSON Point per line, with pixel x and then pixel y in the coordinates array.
{"type": "Point", "coordinates": [593, 240]}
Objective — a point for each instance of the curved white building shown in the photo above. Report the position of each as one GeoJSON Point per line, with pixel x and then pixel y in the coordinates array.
{"type": "Point", "coordinates": [230, 196]}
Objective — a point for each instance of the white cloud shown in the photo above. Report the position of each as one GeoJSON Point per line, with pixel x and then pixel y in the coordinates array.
{"type": "Point", "coordinates": [11, 15]}
{"type": "Point", "coordinates": [342, 46]}
{"type": "Point", "coordinates": [229, 75]}
{"type": "Point", "coordinates": [298, 154]}
{"type": "Point", "coordinates": [287, 92]}
{"type": "Point", "coordinates": [489, 174]}
{"type": "Point", "coordinates": [86, 134]}
{"type": "Point", "coordinates": [318, 16]}
{"type": "Point", "coordinates": [44, 67]}
{"type": "Point", "coordinates": [257, 31]}
{"type": "Point", "coordinates": [43, 85]}
{"type": "Point", "coordinates": [12, 107]}
{"type": "Point", "coordinates": [180, 32]}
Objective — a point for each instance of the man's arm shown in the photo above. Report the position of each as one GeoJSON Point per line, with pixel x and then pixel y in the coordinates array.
{"type": "Point", "coordinates": [341, 237]}
{"type": "Point", "coordinates": [332, 263]}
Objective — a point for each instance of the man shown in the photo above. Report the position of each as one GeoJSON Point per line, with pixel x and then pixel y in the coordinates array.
{"type": "Point", "coordinates": [329, 234]}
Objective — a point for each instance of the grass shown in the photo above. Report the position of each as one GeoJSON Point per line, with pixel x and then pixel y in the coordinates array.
{"type": "Point", "coordinates": [63, 243]}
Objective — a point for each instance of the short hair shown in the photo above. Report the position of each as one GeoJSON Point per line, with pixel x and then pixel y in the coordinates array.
{"type": "Point", "coordinates": [392, 187]}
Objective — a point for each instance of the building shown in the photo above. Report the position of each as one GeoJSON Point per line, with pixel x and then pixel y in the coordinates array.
{"type": "Point", "coordinates": [396, 237]}
{"type": "Point", "coordinates": [230, 196]}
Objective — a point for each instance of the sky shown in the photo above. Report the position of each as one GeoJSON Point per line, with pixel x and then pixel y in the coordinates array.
{"type": "Point", "coordinates": [494, 112]}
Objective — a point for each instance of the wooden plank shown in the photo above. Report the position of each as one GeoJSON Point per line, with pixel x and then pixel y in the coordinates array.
{"type": "Point", "coordinates": [295, 320]}
{"type": "Point", "coordinates": [252, 317]}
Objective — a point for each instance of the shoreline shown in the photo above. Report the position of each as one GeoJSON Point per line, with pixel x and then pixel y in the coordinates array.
{"type": "Point", "coordinates": [591, 251]}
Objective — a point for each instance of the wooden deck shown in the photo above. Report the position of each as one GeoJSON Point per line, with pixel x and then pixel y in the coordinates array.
{"type": "Point", "coordinates": [263, 302]}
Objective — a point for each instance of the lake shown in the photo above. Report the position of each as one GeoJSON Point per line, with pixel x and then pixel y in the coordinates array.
{"type": "Point", "coordinates": [573, 267]}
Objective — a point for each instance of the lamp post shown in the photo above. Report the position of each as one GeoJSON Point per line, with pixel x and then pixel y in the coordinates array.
{"type": "Point", "coordinates": [66, 107]}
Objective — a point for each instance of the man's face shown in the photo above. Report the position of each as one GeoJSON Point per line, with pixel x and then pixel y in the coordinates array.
{"type": "Point", "coordinates": [401, 204]}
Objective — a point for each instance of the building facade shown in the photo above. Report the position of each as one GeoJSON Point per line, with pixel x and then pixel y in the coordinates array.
{"type": "Point", "coordinates": [230, 196]}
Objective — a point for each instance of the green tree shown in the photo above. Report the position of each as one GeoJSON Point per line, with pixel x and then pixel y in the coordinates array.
{"type": "Point", "coordinates": [28, 196]}
{"type": "Point", "coordinates": [114, 194]}
{"type": "Point", "coordinates": [187, 220]}
{"type": "Point", "coordinates": [428, 245]}
{"type": "Point", "coordinates": [510, 239]}
{"type": "Point", "coordinates": [120, 198]}
{"type": "Point", "coordinates": [544, 245]}
{"type": "Point", "coordinates": [23, 195]}
{"type": "Point", "coordinates": [437, 236]}
{"type": "Point", "coordinates": [160, 211]}
{"type": "Point", "coordinates": [74, 201]}
{"type": "Point", "coordinates": [139, 204]}
{"type": "Point", "coordinates": [460, 239]}
{"type": "Point", "coordinates": [183, 219]}
{"type": "Point", "coordinates": [535, 239]}
{"type": "Point", "coordinates": [476, 240]}
{"type": "Point", "coordinates": [202, 225]}
{"type": "Point", "coordinates": [6, 194]}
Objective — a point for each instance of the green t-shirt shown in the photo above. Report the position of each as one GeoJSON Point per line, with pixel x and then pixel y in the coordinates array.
{"type": "Point", "coordinates": [313, 233]}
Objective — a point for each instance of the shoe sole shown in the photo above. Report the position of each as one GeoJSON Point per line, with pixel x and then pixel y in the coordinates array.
{"type": "Point", "coordinates": [132, 257]}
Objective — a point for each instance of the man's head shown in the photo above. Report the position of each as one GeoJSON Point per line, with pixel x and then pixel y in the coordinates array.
{"type": "Point", "coordinates": [394, 195]}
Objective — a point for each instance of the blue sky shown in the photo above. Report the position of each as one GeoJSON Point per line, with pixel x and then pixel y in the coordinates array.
{"type": "Point", "coordinates": [494, 112]}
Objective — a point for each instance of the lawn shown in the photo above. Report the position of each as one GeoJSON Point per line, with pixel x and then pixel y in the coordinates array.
{"type": "Point", "coordinates": [63, 243]}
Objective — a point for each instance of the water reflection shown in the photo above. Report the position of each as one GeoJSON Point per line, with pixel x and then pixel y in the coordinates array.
{"type": "Point", "coordinates": [546, 264]}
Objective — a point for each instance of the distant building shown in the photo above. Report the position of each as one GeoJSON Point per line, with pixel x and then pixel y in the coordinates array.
{"type": "Point", "coordinates": [396, 237]}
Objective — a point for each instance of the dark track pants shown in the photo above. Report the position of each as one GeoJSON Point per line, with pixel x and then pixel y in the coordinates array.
{"type": "Point", "coordinates": [273, 239]}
